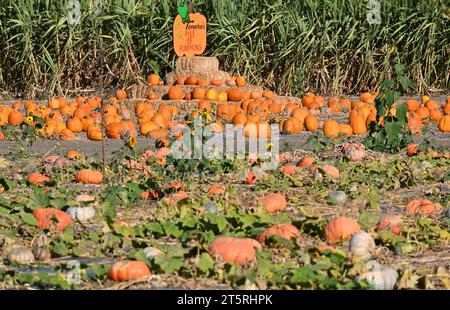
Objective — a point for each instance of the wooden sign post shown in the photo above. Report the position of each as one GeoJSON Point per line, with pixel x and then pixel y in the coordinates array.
{"type": "Point", "coordinates": [189, 32]}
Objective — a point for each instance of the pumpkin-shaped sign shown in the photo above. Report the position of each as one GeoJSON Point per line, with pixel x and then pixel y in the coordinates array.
{"type": "Point", "coordinates": [189, 38]}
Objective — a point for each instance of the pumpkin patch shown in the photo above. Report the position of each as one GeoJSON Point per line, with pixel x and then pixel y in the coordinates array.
{"type": "Point", "coordinates": [304, 159]}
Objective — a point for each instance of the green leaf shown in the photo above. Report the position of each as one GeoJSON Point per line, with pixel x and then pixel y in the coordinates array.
{"type": "Point", "coordinates": [28, 218]}
{"type": "Point", "coordinates": [205, 263]}
{"type": "Point", "coordinates": [109, 212]}
{"type": "Point", "coordinates": [40, 198]}
{"type": "Point", "coordinates": [169, 265]}
{"type": "Point", "coordinates": [155, 228]}
{"type": "Point", "coordinates": [401, 113]}
{"type": "Point", "coordinates": [171, 229]}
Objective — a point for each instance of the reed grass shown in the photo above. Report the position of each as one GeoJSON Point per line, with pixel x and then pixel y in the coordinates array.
{"type": "Point", "coordinates": [287, 45]}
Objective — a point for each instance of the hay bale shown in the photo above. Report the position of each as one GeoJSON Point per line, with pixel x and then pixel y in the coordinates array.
{"type": "Point", "coordinates": [197, 64]}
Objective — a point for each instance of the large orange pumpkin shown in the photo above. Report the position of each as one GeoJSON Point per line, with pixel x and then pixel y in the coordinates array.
{"type": "Point", "coordinates": [422, 206]}
{"type": "Point", "coordinates": [129, 270]}
{"type": "Point", "coordinates": [45, 216]}
{"type": "Point", "coordinates": [89, 176]}
{"type": "Point", "coordinates": [235, 250]}
{"type": "Point", "coordinates": [341, 229]}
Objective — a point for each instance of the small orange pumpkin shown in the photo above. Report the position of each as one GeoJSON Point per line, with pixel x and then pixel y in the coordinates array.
{"type": "Point", "coordinates": [129, 270]}
{"type": "Point", "coordinates": [37, 179]}
{"type": "Point", "coordinates": [121, 94]}
{"type": "Point", "coordinates": [153, 80]}
{"type": "Point", "coordinates": [412, 150]}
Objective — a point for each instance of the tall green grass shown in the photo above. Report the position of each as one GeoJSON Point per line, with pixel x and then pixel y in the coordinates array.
{"type": "Point", "coordinates": [287, 45]}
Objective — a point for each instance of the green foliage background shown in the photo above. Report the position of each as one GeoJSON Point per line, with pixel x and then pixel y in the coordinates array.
{"type": "Point", "coordinates": [287, 45]}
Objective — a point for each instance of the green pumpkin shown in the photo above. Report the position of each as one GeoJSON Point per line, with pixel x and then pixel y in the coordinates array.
{"type": "Point", "coordinates": [337, 198]}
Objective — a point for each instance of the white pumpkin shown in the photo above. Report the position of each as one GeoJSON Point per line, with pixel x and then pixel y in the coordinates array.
{"type": "Point", "coordinates": [362, 245]}
{"type": "Point", "coordinates": [81, 214]}
{"type": "Point", "coordinates": [354, 151]}
{"type": "Point", "coordinates": [380, 277]}
{"type": "Point", "coordinates": [20, 255]}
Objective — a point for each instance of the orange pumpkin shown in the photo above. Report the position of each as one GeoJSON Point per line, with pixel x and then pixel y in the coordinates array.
{"type": "Point", "coordinates": [191, 80]}
{"type": "Point", "coordinates": [341, 229]}
{"type": "Point", "coordinates": [423, 207]}
{"type": "Point", "coordinates": [129, 270]}
{"type": "Point", "coordinates": [390, 222]}
{"type": "Point", "coordinates": [235, 95]}
{"type": "Point", "coordinates": [37, 179]}
{"type": "Point", "coordinates": [153, 80]}
{"type": "Point", "coordinates": [311, 123]}
{"type": "Point", "coordinates": [424, 114]}
{"type": "Point", "coordinates": [334, 104]}
{"type": "Point", "coordinates": [72, 154]}
{"type": "Point", "coordinates": [412, 150]}
{"type": "Point", "coordinates": [216, 190]}
{"type": "Point", "coordinates": [357, 121]}
{"type": "Point", "coordinates": [235, 250]}
{"type": "Point", "coordinates": [199, 93]}
{"type": "Point", "coordinates": [331, 171]}
{"type": "Point", "coordinates": [15, 118]}
{"type": "Point", "coordinates": [331, 129]}
{"type": "Point", "coordinates": [436, 115]}
{"type": "Point", "coordinates": [289, 169]}
{"type": "Point", "coordinates": [74, 124]}
{"type": "Point", "coordinates": [432, 105]}
{"type": "Point", "coordinates": [88, 176]}
{"type": "Point", "coordinates": [121, 94]}
{"type": "Point", "coordinates": [346, 130]}
{"type": "Point", "coordinates": [346, 104]}
{"type": "Point", "coordinates": [307, 161]}
{"type": "Point", "coordinates": [444, 124]}
{"type": "Point", "coordinates": [94, 133]}
{"type": "Point", "coordinates": [180, 80]}
{"type": "Point", "coordinates": [45, 216]}
{"type": "Point", "coordinates": [412, 105]}
{"type": "Point", "coordinates": [446, 108]}
{"type": "Point", "coordinates": [274, 202]}
{"type": "Point", "coordinates": [240, 81]}
{"type": "Point", "coordinates": [175, 93]}
{"type": "Point", "coordinates": [216, 83]}
{"type": "Point", "coordinates": [415, 123]}
{"type": "Point", "coordinates": [286, 231]}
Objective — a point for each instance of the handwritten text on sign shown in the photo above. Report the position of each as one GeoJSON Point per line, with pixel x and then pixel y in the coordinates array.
{"type": "Point", "coordinates": [190, 38]}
